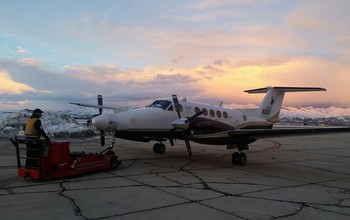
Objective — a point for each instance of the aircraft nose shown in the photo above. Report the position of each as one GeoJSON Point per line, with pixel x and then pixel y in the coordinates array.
{"type": "Point", "coordinates": [101, 122]}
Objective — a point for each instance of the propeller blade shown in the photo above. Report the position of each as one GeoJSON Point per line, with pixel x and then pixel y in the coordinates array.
{"type": "Point", "coordinates": [100, 102]}
{"type": "Point", "coordinates": [187, 141]}
{"type": "Point", "coordinates": [196, 115]}
{"type": "Point", "coordinates": [177, 105]}
{"type": "Point", "coordinates": [102, 137]}
{"type": "Point", "coordinates": [102, 132]}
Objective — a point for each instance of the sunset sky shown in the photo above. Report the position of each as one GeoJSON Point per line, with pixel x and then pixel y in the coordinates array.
{"type": "Point", "coordinates": [56, 52]}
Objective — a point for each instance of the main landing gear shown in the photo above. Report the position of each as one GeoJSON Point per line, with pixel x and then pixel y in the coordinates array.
{"type": "Point", "coordinates": [159, 148]}
{"type": "Point", "coordinates": [239, 158]}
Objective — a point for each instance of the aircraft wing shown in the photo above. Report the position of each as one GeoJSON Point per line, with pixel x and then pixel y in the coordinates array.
{"type": "Point", "coordinates": [288, 131]}
{"type": "Point", "coordinates": [116, 109]}
{"type": "Point", "coordinates": [91, 106]}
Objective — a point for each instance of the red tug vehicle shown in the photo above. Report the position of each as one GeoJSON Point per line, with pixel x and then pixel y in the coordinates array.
{"type": "Point", "coordinates": [54, 160]}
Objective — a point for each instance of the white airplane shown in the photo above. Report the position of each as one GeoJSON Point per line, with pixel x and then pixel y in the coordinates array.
{"type": "Point", "coordinates": [169, 119]}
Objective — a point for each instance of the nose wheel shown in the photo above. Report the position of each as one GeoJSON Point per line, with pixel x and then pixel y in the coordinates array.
{"type": "Point", "coordinates": [113, 159]}
{"type": "Point", "coordinates": [239, 158]}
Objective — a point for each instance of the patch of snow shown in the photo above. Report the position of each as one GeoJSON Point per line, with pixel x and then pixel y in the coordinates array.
{"type": "Point", "coordinates": [55, 124]}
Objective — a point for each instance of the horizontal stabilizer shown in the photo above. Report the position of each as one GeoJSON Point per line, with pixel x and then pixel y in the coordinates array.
{"type": "Point", "coordinates": [286, 89]}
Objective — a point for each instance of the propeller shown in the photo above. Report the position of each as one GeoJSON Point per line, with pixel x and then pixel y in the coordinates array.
{"type": "Point", "coordinates": [183, 123]}
{"type": "Point", "coordinates": [100, 102]}
{"type": "Point", "coordinates": [102, 132]}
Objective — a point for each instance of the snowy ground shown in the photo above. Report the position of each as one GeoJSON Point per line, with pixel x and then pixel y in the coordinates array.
{"type": "Point", "coordinates": [72, 122]}
{"type": "Point", "coordinates": [55, 123]}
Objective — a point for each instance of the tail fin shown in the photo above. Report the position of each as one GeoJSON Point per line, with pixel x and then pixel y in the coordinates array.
{"type": "Point", "coordinates": [270, 106]}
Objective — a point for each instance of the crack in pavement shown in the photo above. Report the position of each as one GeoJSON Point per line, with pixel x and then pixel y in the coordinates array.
{"type": "Point", "coordinates": [200, 181]}
{"type": "Point", "coordinates": [295, 163]}
{"type": "Point", "coordinates": [76, 208]}
{"type": "Point", "coordinates": [291, 214]}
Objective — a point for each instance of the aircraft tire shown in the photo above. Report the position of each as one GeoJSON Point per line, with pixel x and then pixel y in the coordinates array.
{"type": "Point", "coordinates": [242, 159]}
{"type": "Point", "coordinates": [234, 158]}
{"type": "Point", "coordinates": [159, 148]}
{"type": "Point", "coordinates": [156, 148]}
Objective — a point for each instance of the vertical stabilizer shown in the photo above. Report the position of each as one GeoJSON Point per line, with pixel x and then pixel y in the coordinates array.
{"type": "Point", "coordinates": [270, 107]}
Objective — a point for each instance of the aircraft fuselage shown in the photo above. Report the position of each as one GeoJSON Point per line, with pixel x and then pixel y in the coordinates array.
{"type": "Point", "coordinates": [154, 122]}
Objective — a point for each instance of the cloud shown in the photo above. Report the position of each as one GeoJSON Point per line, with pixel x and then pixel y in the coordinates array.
{"type": "Point", "coordinates": [30, 61]}
{"type": "Point", "coordinates": [133, 83]}
{"type": "Point", "coordinates": [319, 16]}
{"type": "Point", "coordinates": [8, 104]}
{"type": "Point", "coordinates": [206, 16]}
{"type": "Point", "coordinates": [38, 77]}
{"type": "Point", "coordinates": [206, 49]}
{"type": "Point", "coordinates": [207, 4]}
{"type": "Point", "coordinates": [320, 26]}
{"type": "Point", "coordinates": [221, 79]}
{"type": "Point", "coordinates": [9, 86]}
{"type": "Point", "coordinates": [21, 50]}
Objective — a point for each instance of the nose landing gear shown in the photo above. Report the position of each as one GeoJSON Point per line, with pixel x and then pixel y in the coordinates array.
{"type": "Point", "coordinates": [114, 162]}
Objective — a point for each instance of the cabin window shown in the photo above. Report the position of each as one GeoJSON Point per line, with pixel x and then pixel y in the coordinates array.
{"type": "Point", "coordinates": [196, 110]}
{"type": "Point", "coordinates": [218, 113]}
{"type": "Point", "coordinates": [205, 111]}
{"type": "Point", "coordinates": [225, 115]}
{"type": "Point", "coordinates": [212, 113]}
{"type": "Point", "coordinates": [170, 108]}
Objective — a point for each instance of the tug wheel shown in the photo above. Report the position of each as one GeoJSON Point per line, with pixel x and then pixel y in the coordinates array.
{"type": "Point", "coordinates": [234, 158]}
{"type": "Point", "coordinates": [113, 163]}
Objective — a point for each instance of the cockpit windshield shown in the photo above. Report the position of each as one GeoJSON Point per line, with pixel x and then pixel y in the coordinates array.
{"type": "Point", "coordinates": [163, 104]}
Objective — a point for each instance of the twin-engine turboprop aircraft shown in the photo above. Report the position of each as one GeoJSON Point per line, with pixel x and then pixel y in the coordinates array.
{"type": "Point", "coordinates": [169, 119]}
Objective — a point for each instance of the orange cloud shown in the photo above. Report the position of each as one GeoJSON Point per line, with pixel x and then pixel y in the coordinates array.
{"type": "Point", "coordinates": [9, 86]}
{"type": "Point", "coordinates": [295, 71]}
{"type": "Point", "coordinates": [226, 80]}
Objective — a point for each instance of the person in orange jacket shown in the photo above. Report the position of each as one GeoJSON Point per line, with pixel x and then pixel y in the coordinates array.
{"type": "Point", "coordinates": [34, 130]}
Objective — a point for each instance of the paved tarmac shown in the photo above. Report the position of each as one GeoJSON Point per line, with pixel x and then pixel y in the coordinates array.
{"type": "Point", "coordinates": [285, 178]}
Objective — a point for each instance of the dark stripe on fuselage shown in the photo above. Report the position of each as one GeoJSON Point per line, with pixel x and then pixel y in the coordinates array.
{"type": "Point", "coordinates": [162, 135]}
